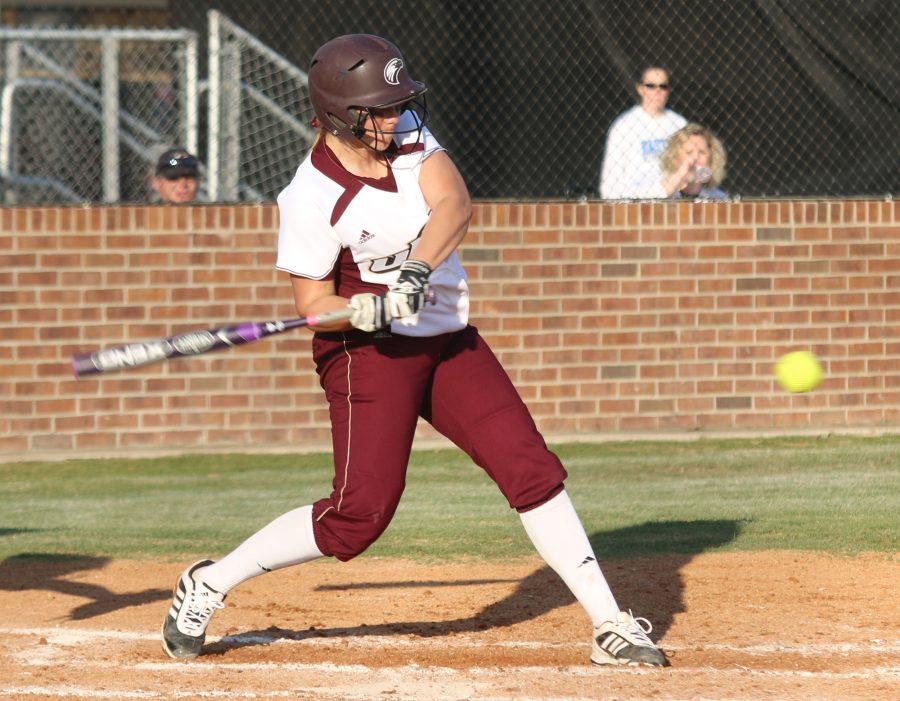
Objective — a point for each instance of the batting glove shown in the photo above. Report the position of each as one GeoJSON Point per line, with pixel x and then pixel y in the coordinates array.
{"type": "Point", "coordinates": [407, 296]}
{"type": "Point", "coordinates": [370, 312]}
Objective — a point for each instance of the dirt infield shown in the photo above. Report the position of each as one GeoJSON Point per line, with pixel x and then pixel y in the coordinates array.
{"type": "Point", "coordinates": [785, 625]}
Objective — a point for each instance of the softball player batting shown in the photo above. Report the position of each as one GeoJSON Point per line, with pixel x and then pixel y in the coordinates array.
{"type": "Point", "coordinates": [372, 220]}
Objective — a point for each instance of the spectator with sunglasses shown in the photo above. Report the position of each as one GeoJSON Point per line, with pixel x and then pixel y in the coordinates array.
{"type": "Point", "coordinates": [176, 176]}
{"type": "Point", "coordinates": [637, 139]}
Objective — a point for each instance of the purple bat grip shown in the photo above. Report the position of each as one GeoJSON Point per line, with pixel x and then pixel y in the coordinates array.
{"type": "Point", "coordinates": [251, 331]}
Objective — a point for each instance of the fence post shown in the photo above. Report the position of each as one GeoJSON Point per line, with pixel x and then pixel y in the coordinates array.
{"type": "Point", "coordinates": [231, 121]}
{"type": "Point", "coordinates": [214, 99]}
{"type": "Point", "coordinates": [191, 98]}
{"type": "Point", "coordinates": [110, 81]}
{"type": "Point", "coordinates": [6, 115]}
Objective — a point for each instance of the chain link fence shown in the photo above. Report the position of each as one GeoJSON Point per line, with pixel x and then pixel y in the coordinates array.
{"type": "Point", "coordinates": [84, 113]}
{"type": "Point", "coordinates": [259, 119]}
{"type": "Point", "coordinates": [804, 96]}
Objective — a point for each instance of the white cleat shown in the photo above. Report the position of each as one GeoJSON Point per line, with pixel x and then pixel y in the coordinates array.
{"type": "Point", "coordinates": [625, 641]}
{"type": "Point", "coordinates": [193, 606]}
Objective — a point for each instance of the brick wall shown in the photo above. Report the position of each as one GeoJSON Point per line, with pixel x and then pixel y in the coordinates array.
{"type": "Point", "coordinates": [609, 318]}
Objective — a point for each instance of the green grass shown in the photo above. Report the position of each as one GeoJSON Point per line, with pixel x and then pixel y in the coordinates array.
{"type": "Point", "coordinates": [838, 494]}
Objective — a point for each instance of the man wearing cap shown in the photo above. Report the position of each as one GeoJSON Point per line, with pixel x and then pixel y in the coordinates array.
{"type": "Point", "coordinates": [176, 176]}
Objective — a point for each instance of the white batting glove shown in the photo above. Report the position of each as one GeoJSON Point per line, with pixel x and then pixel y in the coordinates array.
{"type": "Point", "coordinates": [407, 296]}
{"type": "Point", "coordinates": [370, 313]}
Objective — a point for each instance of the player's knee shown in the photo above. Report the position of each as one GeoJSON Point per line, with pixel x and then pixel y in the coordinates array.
{"type": "Point", "coordinates": [527, 477]}
{"type": "Point", "coordinates": [355, 527]}
{"type": "Point", "coordinates": [533, 482]}
{"type": "Point", "coordinates": [351, 544]}
{"type": "Point", "coordinates": [537, 497]}
{"type": "Point", "coordinates": [360, 543]}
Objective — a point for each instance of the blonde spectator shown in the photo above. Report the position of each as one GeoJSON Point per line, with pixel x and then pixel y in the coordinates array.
{"type": "Point", "coordinates": [693, 165]}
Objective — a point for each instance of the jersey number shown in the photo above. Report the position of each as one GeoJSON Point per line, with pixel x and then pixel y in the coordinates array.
{"type": "Point", "coordinates": [391, 262]}
{"type": "Point", "coordinates": [395, 260]}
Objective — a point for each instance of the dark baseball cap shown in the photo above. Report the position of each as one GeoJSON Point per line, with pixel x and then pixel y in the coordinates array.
{"type": "Point", "coordinates": [177, 163]}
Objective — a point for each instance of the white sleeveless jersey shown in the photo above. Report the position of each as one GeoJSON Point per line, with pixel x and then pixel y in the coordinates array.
{"type": "Point", "coordinates": [358, 231]}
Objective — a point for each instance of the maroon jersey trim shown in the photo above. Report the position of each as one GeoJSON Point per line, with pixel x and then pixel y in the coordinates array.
{"type": "Point", "coordinates": [344, 201]}
{"type": "Point", "coordinates": [346, 277]}
{"type": "Point", "coordinates": [394, 151]}
{"type": "Point", "coordinates": [324, 160]}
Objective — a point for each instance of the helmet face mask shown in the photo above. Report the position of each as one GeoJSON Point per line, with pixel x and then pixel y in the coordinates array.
{"type": "Point", "coordinates": [418, 108]}
{"type": "Point", "coordinates": [353, 76]}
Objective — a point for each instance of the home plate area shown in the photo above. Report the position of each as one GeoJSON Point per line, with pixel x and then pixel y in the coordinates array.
{"type": "Point", "coordinates": [787, 625]}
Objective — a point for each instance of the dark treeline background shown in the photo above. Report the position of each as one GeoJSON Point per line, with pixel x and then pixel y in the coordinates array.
{"type": "Point", "coordinates": [805, 95]}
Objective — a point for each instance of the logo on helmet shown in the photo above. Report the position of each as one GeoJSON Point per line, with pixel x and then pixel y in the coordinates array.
{"type": "Point", "coordinates": [392, 71]}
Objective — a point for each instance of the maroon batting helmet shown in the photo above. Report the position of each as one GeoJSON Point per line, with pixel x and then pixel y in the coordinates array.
{"type": "Point", "coordinates": [355, 73]}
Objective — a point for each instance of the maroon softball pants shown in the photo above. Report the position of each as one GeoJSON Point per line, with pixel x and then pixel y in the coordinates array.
{"type": "Point", "coordinates": [376, 390]}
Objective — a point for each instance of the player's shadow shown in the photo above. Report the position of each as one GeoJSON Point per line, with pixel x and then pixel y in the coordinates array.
{"type": "Point", "coordinates": [651, 585]}
{"type": "Point", "coordinates": [17, 531]}
{"type": "Point", "coordinates": [49, 572]}
{"type": "Point", "coordinates": [410, 583]}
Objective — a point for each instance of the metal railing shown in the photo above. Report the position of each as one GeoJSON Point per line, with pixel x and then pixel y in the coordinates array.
{"type": "Point", "coordinates": [256, 139]}
{"type": "Point", "coordinates": [30, 64]}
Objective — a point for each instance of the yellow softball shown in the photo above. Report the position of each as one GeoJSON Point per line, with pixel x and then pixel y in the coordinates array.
{"type": "Point", "coordinates": [799, 371]}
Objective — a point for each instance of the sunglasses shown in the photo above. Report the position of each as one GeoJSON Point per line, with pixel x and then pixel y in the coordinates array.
{"type": "Point", "coordinates": [656, 86]}
{"type": "Point", "coordinates": [182, 161]}
{"type": "Point", "coordinates": [178, 167]}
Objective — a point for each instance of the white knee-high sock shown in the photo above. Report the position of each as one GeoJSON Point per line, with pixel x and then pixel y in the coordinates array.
{"type": "Point", "coordinates": [559, 537]}
{"type": "Point", "coordinates": [288, 540]}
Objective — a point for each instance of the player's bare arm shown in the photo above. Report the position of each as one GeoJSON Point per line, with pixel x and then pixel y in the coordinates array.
{"type": "Point", "coordinates": [450, 209]}
{"type": "Point", "coordinates": [370, 313]}
{"type": "Point", "coordinates": [447, 196]}
{"type": "Point", "coordinates": [317, 296]}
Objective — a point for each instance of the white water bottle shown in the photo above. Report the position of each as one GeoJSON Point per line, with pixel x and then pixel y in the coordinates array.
{"type": "Point", "coordinates": [702, 174]}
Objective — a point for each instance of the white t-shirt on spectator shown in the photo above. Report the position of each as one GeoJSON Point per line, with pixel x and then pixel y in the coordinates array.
{"type": "Point", "coordinates": [631, 161]}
